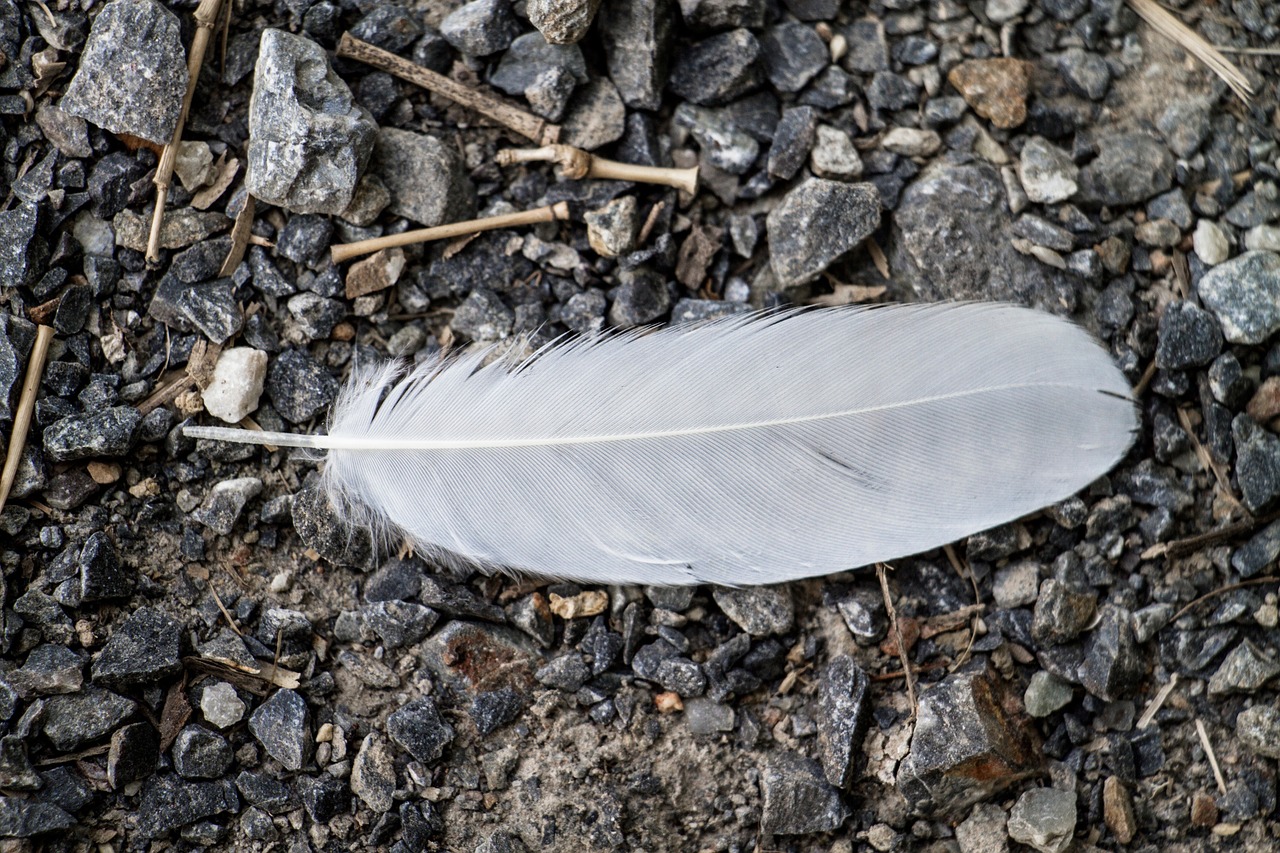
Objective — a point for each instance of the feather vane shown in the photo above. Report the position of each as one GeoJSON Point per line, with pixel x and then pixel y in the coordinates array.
{"type": "Point", "coordinates": [750, 450]}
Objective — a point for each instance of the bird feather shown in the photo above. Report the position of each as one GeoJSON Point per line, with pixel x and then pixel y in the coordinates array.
{"type": "Point", "coordinates": [750, 450]}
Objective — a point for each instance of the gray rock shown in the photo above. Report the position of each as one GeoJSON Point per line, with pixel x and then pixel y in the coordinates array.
{"type": "Point", "coordinates": [863, 613]}
{"type": "Point", "coordinates": [951, 240]}
{"type": "Point", "coordinates": [594, 117]}
{"type": "Point", "coordinates": [983, 831]}
{"type": "Point", "coordinates": [642, 297]}
{"type": "Point", "coordinates": [481, 27]}
{"type": "Point", "coordinates": [1258, 728]}
{"type": "Point", "coordinates": [567, 672]}
{"type": "Point", "coordinates": [701, 15]}
{"type": "Point", "coordinates": [373, 773]}
{"type": "Point", "coordinates": [425, 177]}
{"type": "Point", "coordinates": [964, 722]}
{"type": "Point", "coordinates": [718, 69]}
{"type": "Point", "coordinates": [483, 316]}
{"type": "Point", "coordinates": [1257, 464]}
{"type": "Point", "coordinates": [75, 719]}
{"type": "Point", "coordinates": [419, 730]}
{"type": "Point", "coordinates": [723, 144]}
{"type": "Point", "coordinates": [1259, 552]}
{"type": "Point", "coordinates": [1185, 125]}
{"type": "Point", "coordinates": [22, 249]}
{"type": "Point", "coordinates": [1129, 169]}
{"type": "Point", "coordinates": [1045, 694]}
{"type": "Point", "coordinates": [792, 140]}
{"type": "Point", "coordinates": [682, 676]}
{"type": "Point", "coordinates": [48, 670]}
{"type": "Point", "coordinates": [637, 42]}
{"type": "Point", "coordinates": [323, 528]}
{"type": "Point", "coordinates": [816, 223]}
{"type": "Point", "coordinates": [1113, 664]}
{"type": "Point", "coordinates": [224, 503]}
{"type": "Point", "coordinates": [16, 337]}
{"type": "Point", "coordinates": [210, 307]}
{"type": "Point", "coordinates": [1044, 818]}
{"type": "Point", "coordinates": [1256, 207]}
{"type": "Point", "coordinates": [761, 611]}
{"type": "Point", "coordinates": [391, 27]}
{"type": "Point", "coordinates": [584, 312]}
{"type": "Point", "coordinates": [1048, 175]}
{"type": "Point", "coordinates": [108, 433]}
{"type": "Point", "coordinates": [201, 754]}
{"type": "Point", "coordinates": [492, 709]}
{"type": "Point", "coordinates": [1244, 670]}
{"type": "Point", "coordinates": [1086, 74]}
{"type": "Point", "coordinates": [169, 802]}
{"type": "Point", "coordinates": [305, 240]}
{"type": "Point", "coordinates": [844, 713]}
{"type": "Point", "coordinates": [316, 316]}
{"type": "Point", "coordinates": [133, 753]}
{"type": "Point", "coordinates": [282, 725]}
{"type": "Point", "coordinates": [102, 576]}
{"type": "Point", "coordinates": [700, 310]}
{"type": "Point", "coordinates": [1244, 294]}
{"type": "Point", "coordinates": [868, 47]}
{"type": "Point", "coordinates": [793, 54]}
{"type": "Point", "coordinates": [143, 650]}
{"type": "Point", "coordinates": [796, 799]}
{"type": "Point", "coordinates": [308, 138]}
{"type": "Point", "coordinates": [562, 21]}
{"type": "Point", "coordinates": [133, 71]}
{"type": "Point", "coordinates": [1189, 337]}
{"type": "Point", "coordinates": [299, 388]}
{"type": "Point", "coordinates": [530, 57]}
{"type": "Point", "coordinates": [1061, 613]}
{"type": "Point", "coordinates": [21, 818]}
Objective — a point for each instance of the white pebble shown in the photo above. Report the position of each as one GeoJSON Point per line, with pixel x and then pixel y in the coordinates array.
{"type": "Point", "coordinates": [236, 385]}
{"type": "Point", "coordinates": [1263, 238]}
{"type": "Point", "coordinates": [911, 142]}
{"type": "Point", "coordinates": [1210, 243]}
{"type": "Point", "coordinates": [221, 706]}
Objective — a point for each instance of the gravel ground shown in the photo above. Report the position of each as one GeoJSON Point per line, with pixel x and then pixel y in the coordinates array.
{"type": "Point", "coordinates": [195, 653]}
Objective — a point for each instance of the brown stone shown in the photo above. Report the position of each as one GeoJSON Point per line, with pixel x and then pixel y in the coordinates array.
{"type": "Point", "coordinates": [995, 88]}
{"type": "Point", "coordinates": [1117, 810]}
{"type": "Point", "coordinates": [1265, 404]}
{"type": "Point", "coordinates": [1204, 811]}
{"type": "Point", "coordinates": [375, 273]}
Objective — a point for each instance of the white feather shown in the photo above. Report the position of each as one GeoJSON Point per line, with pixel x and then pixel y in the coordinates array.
{"type": "Point", "coordinates": [745, 451]}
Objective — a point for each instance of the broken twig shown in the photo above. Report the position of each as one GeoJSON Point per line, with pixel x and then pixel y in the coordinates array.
{"type": "Point", "coordinates": [551, 213]}
{"type": "Point", "coordinates": [26, 405]}
{"type": "Point", "coordinates": [206, 16]}
{"type": "Point", "coordinates": [575, 164]}
{"type": "Point", "coordinates": [1213, 758]}
{"type": "Point", "coordinates": [486, 103]}
{"type": "Point", "coordinates": [897, 636]}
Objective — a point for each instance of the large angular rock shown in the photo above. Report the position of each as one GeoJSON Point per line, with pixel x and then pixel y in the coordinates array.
{"type": "Point", "coordinates": [816, 223]}
{"type": "Point", "coordinates": [133, 72]}
{"type": "Point", "coordinates": [308, 138]}
{"type": "Point", "coordinates": [637, 45]}
{"type": "Point", "coordinates": [1244, 294]}
{"type": "Point", "coordinates": [951, 241]}
{"type": "Point", "coordinates": [967, 746]}
{"type": "Point", "coordinates": [426, 178]}
{"type": "Point", "coordinates": [797, 799]}
{"type": "Point", "coordinates": [844, 712]}
{"type": "Point", "coordinates": [1130, 168]}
